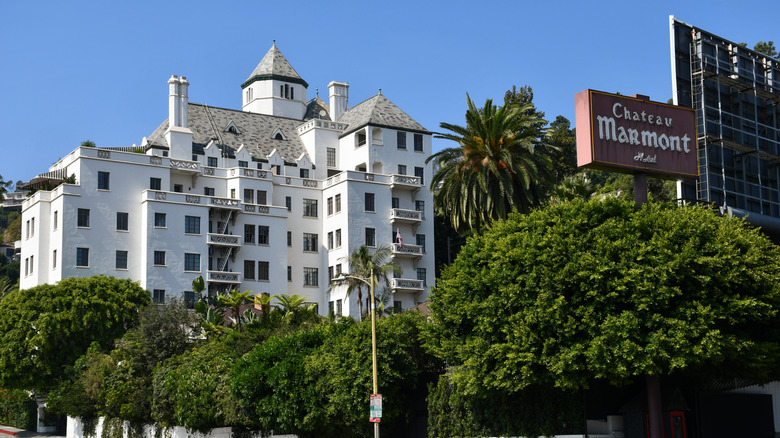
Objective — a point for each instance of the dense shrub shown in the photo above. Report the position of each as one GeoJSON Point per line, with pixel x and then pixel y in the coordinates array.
{"type": "Point", "coordinates": [17, 409]}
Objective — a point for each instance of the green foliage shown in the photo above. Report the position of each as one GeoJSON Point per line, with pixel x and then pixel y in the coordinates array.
{"type": "Point", "coordinates": [341, 372]}
{"type": "Point", "coordinates": [88, 144]}
{"type": "Point", "coordinates": [366, 267]}
{"type": "Point", "coordinates": [18, 409]}
{"type": "Point", "coordinates": [46, 328]}
{"type": "Point", "coordinates": [14, 230]}
{"type": "Point", "coordinates": [534, 411]}
{"type": "Point", "coordinates": [499, 165]}
{"type": "Point", "coordinates": [271, 384]}
{"type": "Point", "coordinates": [766, 47]}
{"type": "Point", "coordinates": [621, 185]}
{"type": "Point", "coordinates": [608, 290]}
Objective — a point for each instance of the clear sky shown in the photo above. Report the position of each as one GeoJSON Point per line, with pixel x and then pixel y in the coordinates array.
{"type": "Point", "coordinates": [72, 71]}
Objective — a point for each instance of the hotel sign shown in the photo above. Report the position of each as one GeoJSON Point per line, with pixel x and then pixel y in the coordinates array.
{"type": "Point", "coordinates": [633, 135]}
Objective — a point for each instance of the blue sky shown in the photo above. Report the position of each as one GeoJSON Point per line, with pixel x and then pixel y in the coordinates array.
{"type": "Point", "coordinates": [71, 71]}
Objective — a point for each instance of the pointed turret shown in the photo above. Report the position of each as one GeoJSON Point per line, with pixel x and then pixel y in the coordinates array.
{"type": "Point", "coordinates": [275, 88]}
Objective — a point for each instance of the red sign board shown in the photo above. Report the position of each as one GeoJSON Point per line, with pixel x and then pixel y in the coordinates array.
{"type": "Point", "coordinates": [634, 135]}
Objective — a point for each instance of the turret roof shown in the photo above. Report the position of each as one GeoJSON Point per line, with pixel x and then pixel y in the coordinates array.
{"type": "Point", "coordinates": [379, 111]}
{"type": "Point", "coordinates": [274, 66]}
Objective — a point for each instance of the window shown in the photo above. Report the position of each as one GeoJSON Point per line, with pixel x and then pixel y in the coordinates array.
{"type": "Point", "coordinates": [397, 306]}
{"type": "Point", "coordinates": [331, 306]}
{"type": "Point", "coordinates": [55, 220]}
{"type": "Point", "coordinates": [54, 259]}
{"type": "Point", "coordinates": [339, 308]}
{"type": "Point", "coordinates": [192, 224]}
{"type": "Point", "coordinates": [396, 203]}
{"type": "Point", "coordinates": [260, 166]}
{"type": "Point", "coordinates": [27, 230]}
{"type": "Point", "coordinates": [309, 242]}
{"type": "Point", "coordinates": [310, 277]}
{"type": "Point", "coordinates": [191, 262]}
{"type": "Point", "coordinates": [289, 273]}
{"type": "Point", "coordinates": [330, 206]}
{"type": "Point", "coordinates": [263, 234]}
{"type": "Point", "coordinates": [103, 181]}
{"type": "Point", "coordinates": [401, 140]}
{"type": "Point", "coordinates": [304, 173]}
{"type": "Point", "coordinates": [419, 171]}
{"type": "Point", "coordinates": [310, 208]}
{"type": "Point", "coordinates": [420, 206]}
{"type": "Point", "coordinates": [262, 197]}
{"type": "Point", "coordinates": [178, 188]}
{"type": "Point", "coordinates": [122, 221]}
{"type": "Point", "coordinates": [330, 240]}
{"type": "Point", "coordinates": [211, 161]}
{"type": "Point", "coordinates": [159, 258]}
{"type": "Point", "coordinates": [422, 275]}
{"type": "Point", "coordinates": [27, 266]}
{"type": "Point", "coordinates": [208, 191]}
{"type": "Point", "coordinates": [276, 169]}
{"type": "Point", "coordinates": [155, 183]}
{"type": "Point", "coordinates": [370, 236]}
{"type": "Point", "coordinates": [189, 299]}
{"type": "Point", "coordinates": [370, 202]}
{"type": "Point", "coordinates": [32, 264]}
{"type": "Point", "coordinates": [83, 218]}
{"type": "Point", "coordinates": [289, 238]}
{"type": "Point", "coordinates": [249, 233]}
{"type": "Point", "coordinates": [32, 227]}
{"type": "Point", "coordinates": [263, 271]}
{"type": "Point", "coordinates": [82, 257]}
{"type": "Point", "coordinates": [338, 202]}
{"type": "Point", "coordinates": [232, 193]}
{"type": "Point", "coordinates": [158, 296]}
{"type": "Point", "coordinates": [421, 241]}
{"type": "Point", "coordinates": [288, 203]}
{"type": "Point", "coordinates": [249, 196]}
{"type": "Point", "coordinates": [338, 269]}
{"type": "Point", "coordinates": [418, 142]}
{"type": "Point", "coordinates": [331, 157]}
{"type": "Point", "coordinates": [243, 163]}
{"type": "Point", "coordinates": [338, 238]}
{"type": "Point", "coordinates": [159, 220]}
{"type": "Point", "coordinates": [330, 273]}
{"type": "Point", "coordinates": [249, 269]}
{"type": "Point", "coordinates": [121, 260]}
{"type": "Point", "coordinates": [402, 169]}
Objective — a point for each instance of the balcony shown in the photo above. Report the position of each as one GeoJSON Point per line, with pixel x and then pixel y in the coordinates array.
{"type": "Point", "coordinates": [184, 166]}
{"type": "Point", "coordinates": [398, 215]}
{"type": "Point", "coordinates": [406, 285]}
{"type": "Point", "coordinates": [225, 203]}
{"type": "Point", "coordinates": [224, 240]}
{"type": "Point", "coordinates": [407, 251]}
{"type": "Point", "coordinates": [405, 182]}
{"type": "Point", "coordinates": [223, 277]}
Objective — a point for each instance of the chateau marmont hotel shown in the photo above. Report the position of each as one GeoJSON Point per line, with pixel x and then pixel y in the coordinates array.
{"type": "Point", "coordinates": [271, 198]}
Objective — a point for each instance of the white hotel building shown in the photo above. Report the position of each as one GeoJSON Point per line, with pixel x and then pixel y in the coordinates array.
{"type": "Point", "coordinates": [272, 198]}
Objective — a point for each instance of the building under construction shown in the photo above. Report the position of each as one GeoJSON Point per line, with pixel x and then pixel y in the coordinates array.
{"type": "Point", "coordinates": [735, 92]}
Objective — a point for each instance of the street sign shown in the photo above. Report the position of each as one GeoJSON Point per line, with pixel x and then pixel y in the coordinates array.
{"type": "Point", "coordinates": [375, 413]}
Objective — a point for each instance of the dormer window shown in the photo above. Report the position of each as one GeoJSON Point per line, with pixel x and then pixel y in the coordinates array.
{"type": "Point", "coordinates": [278, 135]}
{"type": "Point", "coordinates": [232, 128]}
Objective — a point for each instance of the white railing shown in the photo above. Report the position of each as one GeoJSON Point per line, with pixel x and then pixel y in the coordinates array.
{"type": "Point", "coordinates": [407, 180]}
{"type": "Point", "coordinates": [224, 202]}
{"type": "Point", "coordinates": [413, 250]}
{"type": "Point", "coordinates": [184, 164]}
{"type": "Point", "coordinates": [406, 283]}
{"type": "Point", "coordinates": [223, 277]}
{"type": "Point", "coordinates": [224, 239]}
{"type": "Point", "coordinates": [401, 214]}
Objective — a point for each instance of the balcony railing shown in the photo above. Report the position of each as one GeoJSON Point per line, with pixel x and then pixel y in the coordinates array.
{"type": "Point", "coordinates": [406, 284]}
{"type": "Point", "coordinates": [225, 202]}
{"type": "Point", "coordinates": [407, 250]}
{"type": "Point", "coordinates": [407, 216]}
{"type": "Point", "coordinates": [223, 277]}
{"type": "Point", "coordinates": [223, 239]}
{"type": "Point", "coordinates": [406, 182]}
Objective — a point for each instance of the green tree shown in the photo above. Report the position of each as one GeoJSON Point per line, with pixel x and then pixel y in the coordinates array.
{"type": "Point", "coordinates": [233, 301]}
{"type": "Point", "coordinates": [496, 168]}
{"type": "Point", "coordinates": [88, 144]}
{"type": "Point", "coordinates": [4, 185]}
{"type": "Point", "coordinates": [14, 230]}
{"type": "Point", "coordinates": [766, 47]}
{"type": "Point", "coordinates": [363, 263]}
{"type": "Point", "coordinates": [294, 309]}
{"type": "Point", "coordinates": [46, 328]}
{"type": "Point", "coordinates": [612, 291]}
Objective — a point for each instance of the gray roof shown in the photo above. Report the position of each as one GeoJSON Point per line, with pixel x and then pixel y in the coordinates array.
{"type": "Point", "coordinates": [274, 66]}
{"type": "Point", "coordinates": [315, 108]}
{"type": "Point", "coordinates": [255, 132]}
{"type": "Point", "coordinates": [379, 111]}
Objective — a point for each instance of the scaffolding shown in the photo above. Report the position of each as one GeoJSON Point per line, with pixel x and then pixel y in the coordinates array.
{"type": "Point", "coordinates": [735, 92]}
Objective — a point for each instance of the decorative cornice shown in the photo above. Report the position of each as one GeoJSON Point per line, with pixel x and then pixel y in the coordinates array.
{"type": "Point", "coordinates": [274, 77]}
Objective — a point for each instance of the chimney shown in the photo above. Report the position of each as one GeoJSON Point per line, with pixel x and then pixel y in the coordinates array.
{"type": "Point", "coordinates": [339, 99]}
{"type": "Point", "coordinates": [174, 110]}
{"type": "Point", "coordinates": [183, 101]}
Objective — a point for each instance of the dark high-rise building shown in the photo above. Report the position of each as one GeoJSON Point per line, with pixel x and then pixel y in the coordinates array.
{"type": "Point", "coordinates": [735, 92]}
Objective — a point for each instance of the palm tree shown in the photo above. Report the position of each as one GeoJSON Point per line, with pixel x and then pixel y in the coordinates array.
{"type": "Point", "coordinates": [233, 301]}
{"type": "Point", "coordinates": [4, 185]}
{"type": "Point", "coordinates": [363, 267]}
{"type": "Point", "coordinates": [6, 286]}
{"type": "Point", "coordinates": [496, 168]}
{"type": "Point", "coordinates": [292, 306]}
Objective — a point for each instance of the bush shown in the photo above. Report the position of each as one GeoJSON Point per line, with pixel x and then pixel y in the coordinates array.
{"type": "Point", "coordinates": [17, 409]}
